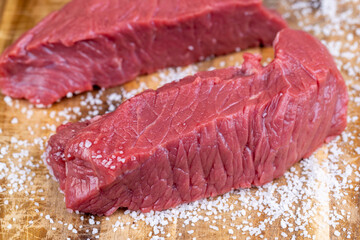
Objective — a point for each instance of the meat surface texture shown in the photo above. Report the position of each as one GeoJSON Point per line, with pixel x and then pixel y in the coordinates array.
{"type": "Point", "coordinates": [205, 134]}
{"type": "Point", "coordinates": [109, 42]}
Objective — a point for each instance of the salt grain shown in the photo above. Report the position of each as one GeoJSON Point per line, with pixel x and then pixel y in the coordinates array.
{"type": "Point", "coordinates": [88, 144]}
{"type": "Point", "coordinates": [70, 227]}
{"type": "Point", "coordinates": [14, 121]}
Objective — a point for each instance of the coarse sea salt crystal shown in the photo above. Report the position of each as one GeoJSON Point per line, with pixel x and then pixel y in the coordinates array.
{"type": "Point", "coordinates": [88, 144]}
{"type": "Point", "coordinates": [3, 150]}
{"type": "Point", "coordinates": [120, 159]}
{"type": "Point", "coordinates": [8, 100]}
{"type": "Point", "coordinates": [357, 31]}
{"type": "Point", "coordinates": [214, 227]}
{"type": "Point", "coordinates": [350, 37]}
{"type": "Point", "coordinates": [14, 120]}
{"type": "Point", "coordinates": [70, 227]}
{"type": "Point", "coordinates": [357, 150]}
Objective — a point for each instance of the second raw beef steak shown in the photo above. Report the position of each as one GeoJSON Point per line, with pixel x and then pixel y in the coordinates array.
{"type": "Point", "coordinates": [109, 42]}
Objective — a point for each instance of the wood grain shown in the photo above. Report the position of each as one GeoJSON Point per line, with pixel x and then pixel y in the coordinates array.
{"type": "Point", "coordinates": [17, 16]}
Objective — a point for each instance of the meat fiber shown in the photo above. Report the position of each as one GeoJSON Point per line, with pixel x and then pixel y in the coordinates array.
{"type": "Point", "coordinates": [109, 42]}
{"type": "Point", "coordinates": [204, 135]}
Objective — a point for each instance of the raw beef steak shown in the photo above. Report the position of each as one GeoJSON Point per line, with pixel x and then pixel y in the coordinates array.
{"type": "Point", "coordinates": [109, 42]}
{"type": "Point", "coordinates": [204, 135]}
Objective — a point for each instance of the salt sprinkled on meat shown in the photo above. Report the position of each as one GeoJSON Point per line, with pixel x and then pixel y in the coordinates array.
{"type": "Point", "coordinates": [88, 144]}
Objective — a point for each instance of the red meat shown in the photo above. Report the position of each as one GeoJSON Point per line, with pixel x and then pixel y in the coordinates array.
{"type": "Point", "coordinates": [204, 135]}
{"type": "Point", "coordinates": [109, 42]}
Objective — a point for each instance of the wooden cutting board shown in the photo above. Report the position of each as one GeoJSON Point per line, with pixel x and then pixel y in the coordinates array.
{"type": "Point", "coordinates": [31, 207]}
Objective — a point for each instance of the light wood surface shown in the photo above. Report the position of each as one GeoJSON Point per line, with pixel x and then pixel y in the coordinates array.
{"type": "Point", "coordinates": [19, 209]}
